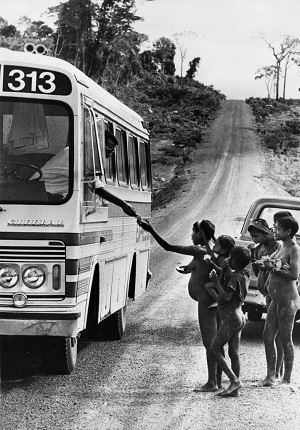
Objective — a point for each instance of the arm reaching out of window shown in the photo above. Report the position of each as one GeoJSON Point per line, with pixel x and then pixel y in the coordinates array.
{"type": "Point", "coordinates": [101, 190]}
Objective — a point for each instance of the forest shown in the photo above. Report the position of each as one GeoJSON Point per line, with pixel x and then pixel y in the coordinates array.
{"type": "Point", "coordinates": [98, 37]}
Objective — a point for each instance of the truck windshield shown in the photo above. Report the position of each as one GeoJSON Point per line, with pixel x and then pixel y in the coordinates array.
{"type": "Point", "coordinates": [35, 152]}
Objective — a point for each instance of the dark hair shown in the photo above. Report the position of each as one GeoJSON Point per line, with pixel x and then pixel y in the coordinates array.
{"type": "Point", "coordinates": [281, 214]}
{"type": "Point", "coordinates": [207, 227]}
{"type": "Point", "coordinates": [289, 222]}
{"type": "Point", "coordinates": [227, 243]}
{"type": "Point", "coordinates": [109, 136]}
{"type": "Point", "coordinates": [241, 255]}
{"type": "Point", "coordinates": [260, 225]}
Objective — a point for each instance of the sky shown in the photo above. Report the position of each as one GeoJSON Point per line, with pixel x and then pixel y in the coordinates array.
{"type": "Point", "coordinates": [227, 36]}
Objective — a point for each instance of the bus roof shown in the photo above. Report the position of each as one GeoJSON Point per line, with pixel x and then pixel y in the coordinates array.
{"type": "Point", "coordinates": [104, 98]}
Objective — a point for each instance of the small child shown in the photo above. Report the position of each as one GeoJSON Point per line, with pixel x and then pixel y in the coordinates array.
{"type": "Point", "coordinates": [232, 293]}
{"type": "Point", "coordinates": [222, 248]}
{"type": "Point", "coordinates": [263, 237]}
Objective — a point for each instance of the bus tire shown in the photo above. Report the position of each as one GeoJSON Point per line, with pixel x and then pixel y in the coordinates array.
{"type": "Point", "coordinates": [113, 327]}
{"type": "Point", "coordinates": [60, 355]}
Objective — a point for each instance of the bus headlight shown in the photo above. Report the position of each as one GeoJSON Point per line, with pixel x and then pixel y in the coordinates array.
{"type": "Point", "coordinates": [33, 277]}
{"type": "Point", "coordinates": [8, 277]}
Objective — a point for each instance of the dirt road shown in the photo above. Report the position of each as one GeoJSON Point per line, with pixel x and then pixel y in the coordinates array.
{"type": "Point", "coordinates": [146, 380]}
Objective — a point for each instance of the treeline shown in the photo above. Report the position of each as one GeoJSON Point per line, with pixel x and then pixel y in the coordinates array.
{"type": "Point", "coordinates": [98, 37]}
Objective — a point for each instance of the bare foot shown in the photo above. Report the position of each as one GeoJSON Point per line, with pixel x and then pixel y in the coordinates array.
{"type": "Point", "coordinates": [206, 388]}
{"type": "Point", "coordinates": [268, 382]}
{"type": "Point", "coordinates": [234, 393]}
{"type": "Point", "coordinates": [232, 390]}
{"type": "Point", "coordinates": [285, 382]}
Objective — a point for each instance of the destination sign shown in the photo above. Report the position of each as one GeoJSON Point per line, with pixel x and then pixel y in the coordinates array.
{"type": "Point", "coordinates": [18, 79]}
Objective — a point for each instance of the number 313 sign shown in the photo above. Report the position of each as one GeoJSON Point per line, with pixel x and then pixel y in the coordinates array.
{"type": "Point", "coordinates": [38, 81]}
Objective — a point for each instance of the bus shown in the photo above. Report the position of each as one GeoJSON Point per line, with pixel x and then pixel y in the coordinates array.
{"type": "Point", "coordinates": [69, 260]}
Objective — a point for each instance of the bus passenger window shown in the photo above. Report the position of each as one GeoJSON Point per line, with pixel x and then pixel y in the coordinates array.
{"type": "Point", "coordinates": [121, 151]}
{"type": "Point", "coordinates": [144, 165]}
{"type": "Point", "coordinates": [133, 162]}
{"type": "Point", "coordinates": [110, 162]}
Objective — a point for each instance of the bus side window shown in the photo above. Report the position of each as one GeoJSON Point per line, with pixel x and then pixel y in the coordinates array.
{"type": "Point", "coordinates": [133, 162]}
{"type": "Point", "coordinates": [121, 150]}
{"type": "Point", "coordinates": [110, 163]}
{"type": "Point", "coordinates": [92, 165]}
{"type": "Point", "coordinates": [144, 166]}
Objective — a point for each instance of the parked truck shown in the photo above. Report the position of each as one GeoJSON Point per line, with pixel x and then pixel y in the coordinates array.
{"type": "Point", "coordinates": [264, 207]}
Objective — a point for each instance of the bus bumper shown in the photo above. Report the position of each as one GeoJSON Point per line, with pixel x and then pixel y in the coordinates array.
{"type": "Point", "coordinates": [37, 324]}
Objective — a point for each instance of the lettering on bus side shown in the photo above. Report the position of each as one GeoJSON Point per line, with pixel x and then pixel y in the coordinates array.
{"type": "Point", "coordinates": [18, 79]}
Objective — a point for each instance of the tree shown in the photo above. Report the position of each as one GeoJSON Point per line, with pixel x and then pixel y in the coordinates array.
{"type": "Point", "coordinates": [163, 54]}
{"type": "Point", "coordinates": [38, 30]}
{"type": "Point", "coordinates": [286, 48]}
{"type": "Point", "coordinates": [183, 41]}
{"type": "Point", "coordinates": [87, 32]}
{"type": "Point", "coordinates": [124, 61]}
{"type": "Point", "coordinates": [9, 31]}
{"type": "Point", "coordinates": [268, 74]}
{"type": "Point", "coordinates": [3, 22]}
{"type": "Point", "coordinates": [193, 66]}
{"type": "Point", "coordinates": [74, 33]}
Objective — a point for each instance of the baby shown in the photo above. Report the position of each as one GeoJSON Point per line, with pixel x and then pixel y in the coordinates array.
{"type": "Point", "coordinates": [222, 248]}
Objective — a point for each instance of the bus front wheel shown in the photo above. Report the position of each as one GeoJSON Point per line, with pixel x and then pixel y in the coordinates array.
{"type": "Point", "coordinates": [60, 355]}
{"type": "Point", "coordinates": [113, 327]}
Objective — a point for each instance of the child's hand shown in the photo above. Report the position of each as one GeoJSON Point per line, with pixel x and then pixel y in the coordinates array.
{"type": "Point", "coordinates": [213, 276]}
{"type": "Point", "coordinates": [207, 259]}
{"type": "Point", "coordinates": [144, 223]}
{"type": "Point", "coordinates": [183, 269]}
{"type": "Point", "coordinates": [251, 246]}
{"type": "Point", "coordinates": [225, 263]}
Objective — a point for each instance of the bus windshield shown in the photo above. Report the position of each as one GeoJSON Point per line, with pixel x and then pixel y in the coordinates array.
{"type": "Point", "coordinates": [35, 151]}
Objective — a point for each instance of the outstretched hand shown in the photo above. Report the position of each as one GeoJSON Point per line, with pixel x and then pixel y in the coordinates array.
{"type": "Point", "coordinates": [129, 210]}
{"type": "Point", "coordinates": [144, 223]}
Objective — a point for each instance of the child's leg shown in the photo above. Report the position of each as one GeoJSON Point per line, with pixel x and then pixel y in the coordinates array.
{"type": "Point", "coordinates": [269, 335]}
{"type": "Point", "coordinates": [229, 327]}
{"type": "Point", "coordinates": [211, 290]}
{"type": "Point", "coordinates": [279, 361]}
{"type": "Point", "coordinates": [234, 352]}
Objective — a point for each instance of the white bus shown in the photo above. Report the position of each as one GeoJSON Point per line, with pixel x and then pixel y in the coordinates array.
{"type": "Point", "coordinates": [69, 261]}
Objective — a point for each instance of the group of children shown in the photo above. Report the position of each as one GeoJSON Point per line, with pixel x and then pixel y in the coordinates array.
{"type": "Point", "coordinates": [219, 281]}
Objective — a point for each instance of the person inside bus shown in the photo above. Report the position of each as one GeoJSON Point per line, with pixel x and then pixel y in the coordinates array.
{"type": "Point", "coordinates": [100, 188]}
{"type": "Point", "coordinates": [56, 177]}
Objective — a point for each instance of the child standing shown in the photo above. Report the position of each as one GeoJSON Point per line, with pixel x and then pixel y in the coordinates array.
{"type": "Point", "coordinates": [222, 249]}
{"type": "Point", "coordinates": [231, 295]}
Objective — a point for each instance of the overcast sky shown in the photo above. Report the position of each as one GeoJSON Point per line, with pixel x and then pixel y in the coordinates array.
{"type": "Point", "coordinates": [228, 36]}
